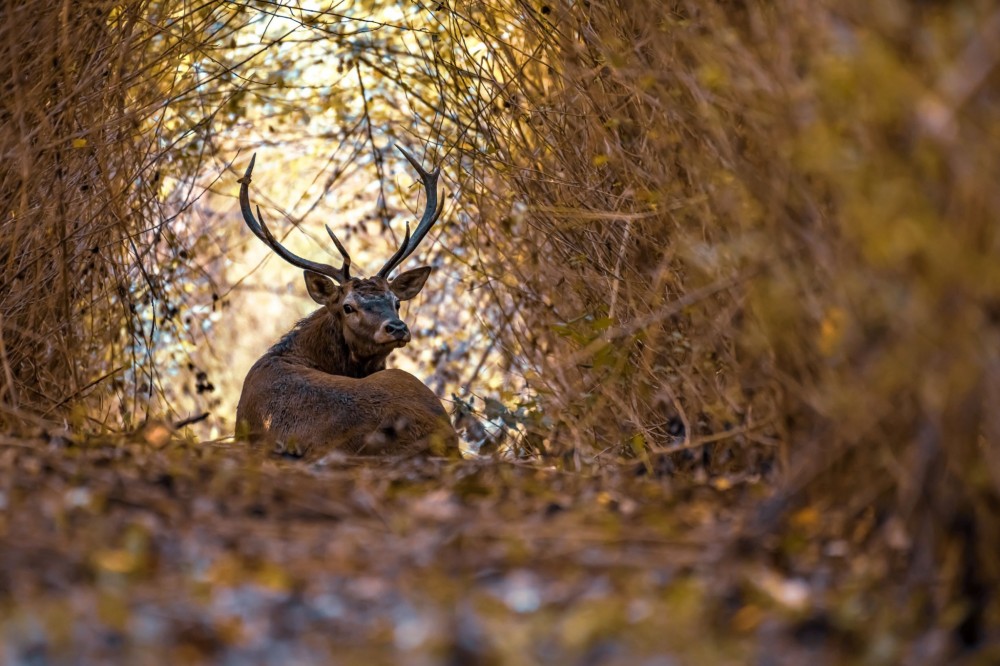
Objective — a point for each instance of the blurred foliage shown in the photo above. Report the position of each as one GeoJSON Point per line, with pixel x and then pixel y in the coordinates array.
{"type": "Point", "coordinates": [773, 224]}
{"type": "Point", "coordinates": [156, 549]}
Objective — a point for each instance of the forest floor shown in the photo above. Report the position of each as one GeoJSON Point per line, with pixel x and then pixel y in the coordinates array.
{"type": "Point", "coordinates": [157, 550]}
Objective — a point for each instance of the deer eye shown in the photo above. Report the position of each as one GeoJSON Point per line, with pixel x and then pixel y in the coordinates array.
{"type": "Point", "coordinates": [348, 309]}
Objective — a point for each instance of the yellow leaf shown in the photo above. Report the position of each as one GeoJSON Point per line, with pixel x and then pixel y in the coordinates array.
{"type": "Point", "coordinates": [807, 517]}
{"type": "Point", "coordinates": [747, 618]}
{"type": "Point", "coordinates": [79, 143]}
{"type": "Point", "coordinates": [157, 434]}
{"type": "Point", "coordinates": [116, 561]}
{"type": "Point", "coordinates": [273, 577]}
{"type": "Point", "coordinates": [831, 330]}
{"type": "Point", "coordinates": [722, 483]}
{"type": "Point", "coordinates": [638, 444]}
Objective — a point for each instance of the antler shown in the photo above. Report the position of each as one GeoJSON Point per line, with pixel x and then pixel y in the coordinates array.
{"type": "Point", "coordinates": [432, 211]}
{"type": "Point", "coordinates": [260, 230]}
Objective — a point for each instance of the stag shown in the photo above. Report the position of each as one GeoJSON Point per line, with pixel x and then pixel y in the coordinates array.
{"type": "Point", "coordinates": [324, 385]}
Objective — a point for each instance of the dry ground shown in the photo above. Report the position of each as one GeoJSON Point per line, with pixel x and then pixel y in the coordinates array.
{"type": "Point", "coordinates": [159, 550]}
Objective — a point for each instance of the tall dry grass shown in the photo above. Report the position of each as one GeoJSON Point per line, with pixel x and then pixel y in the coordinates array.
{"type": "Point", "coordinates": [63, 201]}
{"type": "Point", "coordinates": [91, 267]}
{"type": "Point", "coordinates": [769, 227]}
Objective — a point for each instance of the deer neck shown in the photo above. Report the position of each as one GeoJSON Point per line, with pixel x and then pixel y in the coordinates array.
{"type": "Point", "coordinates": [318, 341]}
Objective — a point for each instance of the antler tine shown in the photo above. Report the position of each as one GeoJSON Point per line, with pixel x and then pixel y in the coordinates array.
{"type": "Point", "coordinates": [260, 230]}
{"type": "Point", "coordinates": [432, 211]}
{"type": "Point", "coordinates": [346, 268]}
{"type": "Point", "coordinates": [397, 255]}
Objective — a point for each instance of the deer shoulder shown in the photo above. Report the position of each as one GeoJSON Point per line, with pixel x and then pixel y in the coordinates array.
{"type": "Point", "coordinates": [325, 385]}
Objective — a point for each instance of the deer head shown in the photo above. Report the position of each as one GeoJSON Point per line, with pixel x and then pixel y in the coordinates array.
{"type": "Point", "coordinates": [366, 310]}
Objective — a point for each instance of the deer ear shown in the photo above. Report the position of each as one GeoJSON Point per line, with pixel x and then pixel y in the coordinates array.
{"type": "Point", "coordinates": [407, 285]}
{"type": "Point", "coordinates": [320, 287]}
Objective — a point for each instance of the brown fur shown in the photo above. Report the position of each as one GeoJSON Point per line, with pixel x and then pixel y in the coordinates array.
{"type": "Point", "coordinates": [324, 385]}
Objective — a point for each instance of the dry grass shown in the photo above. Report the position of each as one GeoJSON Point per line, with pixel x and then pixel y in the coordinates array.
{"type": "Point", "coordinates": [766, 226]}
{"type": "Point", "coordinates": [92, 269]}
{"type": "Point", "coordinates": [612, 234]}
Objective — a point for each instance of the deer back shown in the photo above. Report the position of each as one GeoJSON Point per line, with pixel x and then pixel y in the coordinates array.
{"type": "Point", "coordinates": [325, 385]}
{"type": "Point", "coordinates": [311, 412]}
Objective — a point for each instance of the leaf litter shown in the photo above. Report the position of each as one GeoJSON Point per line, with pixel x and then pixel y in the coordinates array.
{"type": "Point", "coordinates": [162, 550]}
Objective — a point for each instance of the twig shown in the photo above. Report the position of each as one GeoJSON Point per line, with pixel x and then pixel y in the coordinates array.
{"type": "Point", "coordinates": [192, 420]}
{"type": "Point", "coordinates": [695, 442]}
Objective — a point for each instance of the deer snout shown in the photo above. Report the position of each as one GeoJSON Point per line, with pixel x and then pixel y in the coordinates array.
{"type": "Point", "coordinates": [394, 330]}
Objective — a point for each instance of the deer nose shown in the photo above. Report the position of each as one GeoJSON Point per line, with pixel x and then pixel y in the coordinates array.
{"type": "Point", "coordinates": [396, 328]}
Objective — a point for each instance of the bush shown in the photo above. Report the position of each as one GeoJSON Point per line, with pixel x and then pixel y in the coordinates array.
{"type": "Point", "coordinates": [95, 272]}
{"type": "Point", "coordinates": [774, 223]}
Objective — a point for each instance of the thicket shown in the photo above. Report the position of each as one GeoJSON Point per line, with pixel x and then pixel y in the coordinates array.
{"type": "Point", "coordinates": [101, 116]}
{"type": "Point", "coordinates": [768, 227]}
{"type": "Point", "coordinates": [756, 232]}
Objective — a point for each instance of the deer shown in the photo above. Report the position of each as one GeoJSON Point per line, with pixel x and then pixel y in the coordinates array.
{"type": "Point", "coordinates": [324, 385]}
